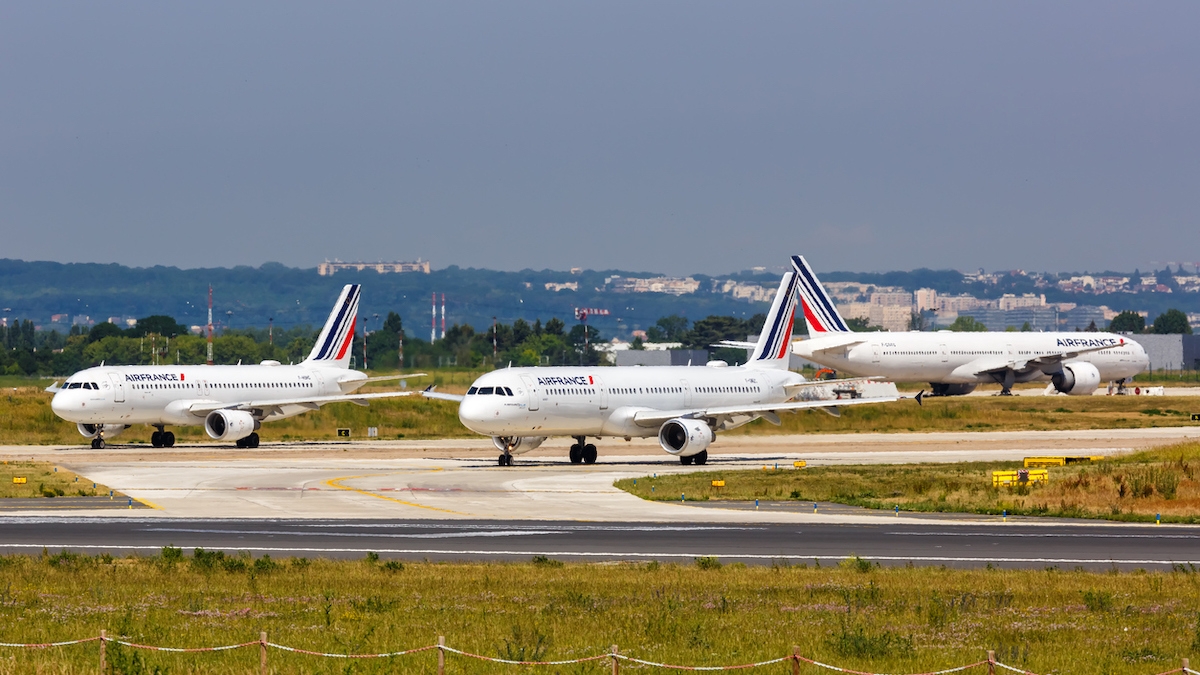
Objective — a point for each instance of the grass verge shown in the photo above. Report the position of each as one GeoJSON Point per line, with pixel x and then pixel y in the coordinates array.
{"type": "Point", "coordinates": [45, 480]}
{"type": "Point", "coordinates": [855, 614]}
{"type": "Point", "coordinates": [1135, 487]}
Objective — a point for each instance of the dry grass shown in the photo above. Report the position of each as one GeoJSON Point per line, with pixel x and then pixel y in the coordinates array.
{"type": "Point", "coordinates": [1135, 488]}
{"type": "Point", "coordinates": [46, 481]}
{"type": "Point", "coordinates": [855, 614]}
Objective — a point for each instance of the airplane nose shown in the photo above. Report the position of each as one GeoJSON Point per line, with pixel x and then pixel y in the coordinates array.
{"type": "Point", "coordinates": [60, 406]}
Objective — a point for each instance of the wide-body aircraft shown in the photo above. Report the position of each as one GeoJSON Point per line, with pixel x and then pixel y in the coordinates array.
{"type": "Point", "coordinates": [954, 363]}
{"type": "Point", "coordinates": [231, 402]}
{"type": "Point", "coordinates": [684, 406]}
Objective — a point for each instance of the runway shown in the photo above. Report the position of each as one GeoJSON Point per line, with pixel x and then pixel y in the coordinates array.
{"type": "Point", "coordinates": [888, 542]}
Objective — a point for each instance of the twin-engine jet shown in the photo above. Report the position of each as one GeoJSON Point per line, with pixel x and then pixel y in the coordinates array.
{"type": "Point", "coordinates": [231, 402]}
{"type": "Point", "coordinates": [684, 406]}
{"type": "Point", "coordinates": [955, 363]}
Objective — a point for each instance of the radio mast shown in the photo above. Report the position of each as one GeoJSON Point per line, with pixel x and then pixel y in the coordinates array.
{"type": "Point", "coordinates": [210, 350]}
{"type": "Point", "coordinates": [433, 320]}
{"type": "Point", "coordinates": [443, 316]}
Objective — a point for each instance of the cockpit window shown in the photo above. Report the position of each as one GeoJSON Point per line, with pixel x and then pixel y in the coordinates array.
{"type": "Point", "coordinates": [75, 385]}
{"type": "Point", "coordinates": [472, 390]}
{"type": "Point", "coordinates": [484, 391]}
{"type": "Point", "coordinates": [87, 385]}
{"type": "Point", "coordinates": [500, 391]}
{"type": "Point", "coordinates": [508, 391]}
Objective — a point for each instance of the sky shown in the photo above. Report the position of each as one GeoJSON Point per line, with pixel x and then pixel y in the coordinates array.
{"type": "Point", "coordinates": [676, 137]}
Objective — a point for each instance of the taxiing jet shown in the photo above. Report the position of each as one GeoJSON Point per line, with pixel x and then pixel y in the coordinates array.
{"type": "Point", "coordinates": [684, 406]}
{"type": "Point", "coordinates": [231, 402]}
{"type": "Point", "coordinates": [954, 363]}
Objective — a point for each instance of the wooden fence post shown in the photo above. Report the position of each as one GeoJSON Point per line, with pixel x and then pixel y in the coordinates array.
{"type": "Point", "coordinates": [991, 662]}
{"type": "Point", "coordinates": [795, 660]}
{"type": "Point", "coordinates": [441, 655]}
{"type": "Point", "coordinates": [616, 665]}
{"type": "Point", "coordinates": [103, 655]}
{"type": "Point", "coordinates": [262, 653]}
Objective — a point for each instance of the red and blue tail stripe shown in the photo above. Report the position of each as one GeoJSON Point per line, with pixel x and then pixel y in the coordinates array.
{"type": "Point", "coordinates": [819, 312]}
{"type": "Point", "coordinates": [333, 343]}
{"type": "Point", "coordinates": [775, 341]}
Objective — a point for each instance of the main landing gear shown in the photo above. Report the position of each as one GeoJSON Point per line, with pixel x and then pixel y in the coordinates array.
{"type": "Point", "coordinates": [250, 441]}
{"type": "Point", "coordinates": [698, 458]}
{"type": "Point", "coordinates": [162, 439]}
{"type": "Point", "coordinates": [583, 452]}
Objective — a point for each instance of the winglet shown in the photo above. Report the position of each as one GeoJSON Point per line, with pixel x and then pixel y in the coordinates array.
{"type": "Point", "coordinates": [52, 388]}
{"type": "Point", "coordinates": [920, 395]}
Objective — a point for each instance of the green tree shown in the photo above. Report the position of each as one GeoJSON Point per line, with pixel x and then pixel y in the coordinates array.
{"type": "Point", "coordinates": [1025, 327]}
{"type": "Point", "coordinates": [104, 330]}
{"type": "Point", "coordinates": [1172, 321]}
{"type": "Point", "coordinates": [1128, 321]}
{"type": "Point", "coordinates": [672, 328]}
{"type": "Point", "coordinates": [967, 324]}
{"type": "Point", "coordinates": [157, 324]}
{"type": "Point", "coordinates": [554, 327]}
{"type": "Point", "coordinates": [637, 345]}
{"type": "Point", "coordinates": [861, 325]}
{"type": "Point", "coordinates": [712, 329]}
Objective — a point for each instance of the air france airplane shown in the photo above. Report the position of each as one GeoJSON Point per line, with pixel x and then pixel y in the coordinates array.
{"type": "Point", "coordinates": [955, 363]}
{"type": "Point", "coordinates": [683, 406]}
{"type": "Point", "coordinates": [231, 402]}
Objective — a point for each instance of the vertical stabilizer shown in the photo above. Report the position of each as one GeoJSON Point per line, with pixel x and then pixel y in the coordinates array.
{"type": "Point", "coordinates": [774, 346]}
{"type": "Point", "coordinates": [819, 312]}
{"type": "Point", "coordinates": [333, 344]}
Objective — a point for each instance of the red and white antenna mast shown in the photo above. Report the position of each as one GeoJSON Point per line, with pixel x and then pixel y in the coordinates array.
{"type": "Point", "coordinates": [433, 320]}
{"type": "Point", "coordinates": [210, 349]}
{"type": "Point", "coordinates": [443, 316]}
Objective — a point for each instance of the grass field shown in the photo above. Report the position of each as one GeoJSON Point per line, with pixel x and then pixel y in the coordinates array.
{"type": "Point", "coordinates": [854, 615]}
{"type": "Point", "coordinates": [1134, 487]}
{"type": "Point", "coordinates": [45, 480]}
{"type": "Point", "coordinates": [29, 420]}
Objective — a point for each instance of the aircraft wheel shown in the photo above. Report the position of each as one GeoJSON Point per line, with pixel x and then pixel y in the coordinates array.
{"type": "Point", "coordinates": [503, 461]}
{"type": "Point", "coordinates": [168, 439]}
{"type": "Point", "coordinates": [241, 442]}
{"type": "Point", "coordinates": [700, 457]}
{"type": "Point", "coordinates": [97, 443]}
{"type": "Point", "coordinates": [685, 460]}
{"type": "Point", "coordinates": [156, 439]}
{"type": "Point", "coordinates": [589, 454]}
{"type": "Point", "coordinates": [252, 441]}
{"type": "Point", "coordinates": [576, 454]}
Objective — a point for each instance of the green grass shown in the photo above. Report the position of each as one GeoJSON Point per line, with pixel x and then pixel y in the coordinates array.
{"type": "Point", "coordinates": [1132, 488]}
{"type": "Point", "coordinates": [855, 614]}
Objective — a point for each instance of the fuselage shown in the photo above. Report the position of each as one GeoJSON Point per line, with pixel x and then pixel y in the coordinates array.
{"type": "Point", "coordinates": [959, 357]}
{"type": "Point", "coordinates": [160, 395]}
{"type": "Point", "coordinates": [598, 401]}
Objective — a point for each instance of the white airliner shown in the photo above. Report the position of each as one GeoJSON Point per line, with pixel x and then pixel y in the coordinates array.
{"type": "Point", "coordinates": [684, 406]}
{"type": "Point", "coordinates": [955, 363]}
{"type": "Point", "coordinates": [231, 402]}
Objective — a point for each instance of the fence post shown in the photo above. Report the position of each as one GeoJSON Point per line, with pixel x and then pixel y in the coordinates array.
{"type": "Point", "coordinates": [103, 646]}
{"type": "Point", "coordinates": [795, 660]}
{"type": "Point", "coordinates": [616, 665]}
{"type": "Point", "coordinates": [262, 652]}
{"type": "Point", "coordinates": [1186, 665]}
{"type": "Point", "coordinates": [991, 662]}
{"type": "Point", "coordinates": [441, 655]}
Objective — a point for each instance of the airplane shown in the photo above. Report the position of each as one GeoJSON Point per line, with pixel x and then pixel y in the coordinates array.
{"type": "Point", "coordinates": [231, 402]}
{"type": "Point", "coordinates": [684, 406]}
{"type": "Point", "coordinates": [954, 363]}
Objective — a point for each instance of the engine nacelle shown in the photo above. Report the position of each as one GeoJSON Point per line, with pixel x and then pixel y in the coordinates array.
{"type": "Point", "coordinates": [944, 389]}
{"type": "Point", "coordinates": [1076, 379]}
{"type": "Point", "coordinates": [229, 425]}
{"type": "Point", "coordinates": [93, 430]}
{"type": "Point", "coordinates": [519, 444]}
{"type": "Point", "coordinates": [684, 438]}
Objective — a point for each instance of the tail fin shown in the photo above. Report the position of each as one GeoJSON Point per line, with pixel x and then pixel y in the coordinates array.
{"type": "Point", "coordinates": [775, 342]}
{"type": "Point", "coordinates": [819, 311]}
{"type": "Point", "coordinates": [333, 344]}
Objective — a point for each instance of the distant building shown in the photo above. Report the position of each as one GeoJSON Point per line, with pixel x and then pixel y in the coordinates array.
{"type": "Point", "coordinates": [328, 268]}
{"type": "Point", "coordinates": [669, 285]}
{"type": "Point", "coordinates": [1081, 317]}
{"type": "Point", "coordinates": [1171, 352]}
{"type": "Point", "coordinates": [568, 286]}
{"type": "Point", "coordinates": [661, 357]}
{"type": "Point", "coordinates": [1010, 301]}
{"type": "Point", "coordinates": [925, 299]}
{"type": "Point", "coordinates": [82, 320]}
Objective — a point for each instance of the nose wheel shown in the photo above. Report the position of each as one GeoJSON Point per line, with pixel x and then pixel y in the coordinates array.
{"type": "Point", "coordinates": [506, 459]}
{"type": "Point", "coordinates": [97, 443]}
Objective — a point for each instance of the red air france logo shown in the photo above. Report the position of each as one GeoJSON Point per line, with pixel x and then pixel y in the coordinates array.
{"type": "Point", "coordinates": [181, 377]}
{"type": "Point", "coordinates": [590, 380]}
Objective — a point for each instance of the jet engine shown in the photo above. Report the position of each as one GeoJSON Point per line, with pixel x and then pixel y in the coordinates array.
{"type": "Point", "coordinates": [229, 425]}
{"type": "Point", "coordinates": [520, 444]}
{"type": "Point", "coordinates": [93, 430]}
{"type": "Point", "coordinates": [944, 389]}
{"type": "Point", "coordinates": [1076, 379]}
{"type": "Point", "coordinates": [684, 438]}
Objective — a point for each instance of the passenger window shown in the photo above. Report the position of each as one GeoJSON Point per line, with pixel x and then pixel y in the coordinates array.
{"type": "Point", "coordinates": [472, 390]}
{"type": "Point", "coordinates": [485, 391]}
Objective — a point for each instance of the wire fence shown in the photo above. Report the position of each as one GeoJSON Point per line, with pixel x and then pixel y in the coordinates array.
{"type": "Point", "coordinates": [613, 656]}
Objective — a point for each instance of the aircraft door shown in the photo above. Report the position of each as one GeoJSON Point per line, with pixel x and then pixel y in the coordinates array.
{"type": "Point", "coordinates": [874, 352]}
{"type": "Point", "coordinates": [204, 387]}
{"type": "Point", "coordinates": [118, 387]}
{"type": "Point", "coordinates": [944, 352]}
{"type": "Point", "coordinates": [534, 404]}
{"type": "Point", "coordinates": [603, 393]}
{"type": "Point", "coordinates": [687, 393]}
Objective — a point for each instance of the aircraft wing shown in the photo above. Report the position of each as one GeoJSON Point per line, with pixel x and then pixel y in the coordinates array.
{"type": "Point", "coordinates": [311, 402]}
{"type": "Point", "coordinates": [830, 343]}
{"type": "Point", "coordinates": [443, 397]}
{"type": "Point", "coordinates": [384, 378]}
{"type": "Point", "coordinates": [822, 383]}
{"type": "Point", "coordinates": [650, 418]}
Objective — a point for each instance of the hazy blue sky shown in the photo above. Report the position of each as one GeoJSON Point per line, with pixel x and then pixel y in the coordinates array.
{"type": "Point", "coordinates": [670, 136]}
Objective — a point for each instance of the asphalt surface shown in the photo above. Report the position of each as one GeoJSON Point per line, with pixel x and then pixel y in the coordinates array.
{"type": "Point", "coordinates": [1093, 547]}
